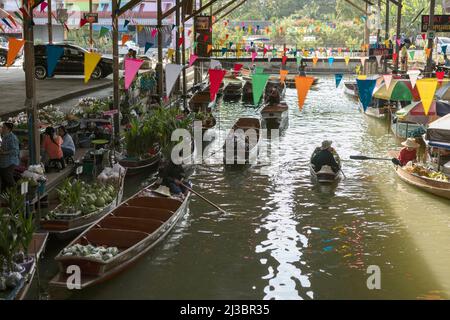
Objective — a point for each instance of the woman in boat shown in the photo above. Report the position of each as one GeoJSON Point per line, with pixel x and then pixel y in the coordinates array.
{"type": "Point", "coordinates": [325, 156]}
{"type": "Point", "coordinates": [408, 152]}
{"type": "Point", "coordinates": [172, 176]}
{"type": "Point", "coordinates": [52, 146]}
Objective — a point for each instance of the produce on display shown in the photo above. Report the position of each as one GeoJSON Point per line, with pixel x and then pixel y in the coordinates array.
{"type": "Point", "coordinates": [425, 172]}
{"type": "Point", "coordinates": [100, 253]}
{"type": "Point", "coordinates": [91, 107]}
{"type": "Point", "coordinates": [48, 115]}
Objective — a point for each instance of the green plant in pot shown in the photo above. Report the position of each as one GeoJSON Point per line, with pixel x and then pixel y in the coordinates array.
{"type": "Point", "coordinates": [9, 240]}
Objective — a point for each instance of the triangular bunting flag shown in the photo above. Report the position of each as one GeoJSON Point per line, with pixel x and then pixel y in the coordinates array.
{"type": "Point", "coordinates": [254, 54]}
{"type": "Point", "coordinates": [125, 39]}
{"type": "Point", "coordinates": [365, 91]}
{"type": "Point", "coordinates": [427, 89]}
{"type": "Point", "coordinates": [315, 59]}
{"type": "Point", "coordinates": [170, 53]}
{"type": "Point", "coordinates": [378, 57]}
{"type": "Point", "coordinates": [330, 61]}
{"type": "Point", "coordinates": [283, 60]}
{"type": "Point", "coordinates": [209, 48]}
{"type": "Point", "coordinates": [440, 75]}
{"type": "Point", "coordinates": [54, 53]}
{"type": "Point", "coordinates": [103, 31]}
{"type": "Point", "coordinates": [148, 45]}
{"type": "Point", "coordinates": [172, 73]}
{"type": "Point", "coordinates": [411, 53]}
{"type": "Point", "coordinates": [237, 67]}
{"type": "Point", "coordinates": [82, 22]}
{"type": "Point", "coordinates": [347, 60]}
{"type": "Point", "coordinates": [224, 50]}
{"type": "Point", "coordinates": [413, 75]}
{"type": "Point", "coordinates": [215, 79]}
{"type": "Point", "coordinates": [91, 59]}
{"type": "Point", "coordinates": [154, 32]}
{"type": "Point", "coordinates": [126, 22]}
{"type": "Point", "coordinates": [192, 59]}
{"type": "Point", "coordinates": [180, 41]}
{"type": "Point", "coordinates": [283, 74]}
{"type": "Point", "coordinates": [131, 69]}
{"type": "Point", "coordinates": [387, 80]}
{"type": "Point", "coordinates": [338, 78]}
{"type": "Point", "coordinates": [43, 6]}
{"type": "Point", "coordinates": [259, 81]}
{"type": "Point", "coordinates": [302, 84]}
{"type": "Point", "coordinates": [14, 46]}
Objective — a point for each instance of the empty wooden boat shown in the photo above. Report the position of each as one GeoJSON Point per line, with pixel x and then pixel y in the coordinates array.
{"type": "Point", "coordinates": [139, 166]}
{"type": "Point", "coordinates": [125, 234]}
{"type": "Point", "coordinates": [241, 144]}
{"type": "Point", "coordinates": [275, 116]}
{"type": "Point", "coordinates": [351, 89]}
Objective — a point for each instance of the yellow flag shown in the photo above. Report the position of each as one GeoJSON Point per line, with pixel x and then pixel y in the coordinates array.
{"type": "Point", "coordinates": [386, 43]}
{"type": "Point", "coordinates": [238, 53]}
{"type": "Point", "coordinates": [362, 77]}
{"type": "Point", "coordinates": [91, 59]}
{"type": "Point", "coordinates": [140, 27]}
{"type": "Point", "coordinates": [170, 53]}
{"type": "Point", "coordinates": [305, 53]}
{"type": "Point", "coordinates": [347, 59]}
{"type": "Point", "coordinates": [427, 88]}
{"type": "Point", "coordinates": [283, 74]}
{"type": "Point", "coordinates": [315, 59]}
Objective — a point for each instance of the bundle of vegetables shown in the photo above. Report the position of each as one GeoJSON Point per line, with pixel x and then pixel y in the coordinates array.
{"type": "Point", "coordinates": [99, 253]}
{"type": "Point", "coordinates": [80, 198]}
{"type": "Point", "coordinates": [91, 107]}
{"type": "Point", "coordinates": [51, 115]}
{"type": "Point", "coordinates": [426, 172]}
{"type": "Point", "coordinates": [111, 175]}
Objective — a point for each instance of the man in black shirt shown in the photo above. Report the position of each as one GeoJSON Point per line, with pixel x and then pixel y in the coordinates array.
{"type": "Point", "coordinates": [324, 156]}
{"type": "Point", "coordinates": [172, 175]}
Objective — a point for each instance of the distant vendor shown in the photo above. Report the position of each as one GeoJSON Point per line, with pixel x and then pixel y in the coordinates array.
{"type": "Point", "coordinates": [324, 156]}
{"type": "Point", "coordinates": [9, 156]}
{"type": "Point", "coordinates": [172, 176]}
{"type": "Point", "coordinates": [68, 147]}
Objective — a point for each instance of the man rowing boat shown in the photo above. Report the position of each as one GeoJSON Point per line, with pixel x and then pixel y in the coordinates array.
{"type": "Point", "coordinates": [408, 153]}
{"type": "Point", "coordinates": [325, 156]}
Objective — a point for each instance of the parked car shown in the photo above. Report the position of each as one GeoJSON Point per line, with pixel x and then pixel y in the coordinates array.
{"type": "Point", "coordinates": [3, 55]}
{"type": "Point", "coordinates": [3, 42]}
{"type": "Point", "coordinates": [71, 62]}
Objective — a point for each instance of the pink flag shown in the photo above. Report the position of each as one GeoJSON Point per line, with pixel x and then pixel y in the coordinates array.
{"type": "Point", "coordinates": [43, 6]}
{"type": "Point", "coordinates": [205, 37]}
{"type": "Point", "coordinates": [264, 51]}
{"type": "Point", "coordinates": [387, 80]}
{"type": "Point", "coordinates": [254, 54]}
{"type": "Point", "coordinates": [399, 42]}
{"type": "Point", "coordinates": [192, 59]}
{"type": "Point", "coordinates": [131, 68]}
{"type": "Point", "coordinates": [215, 79]}
{"type": "Point", "coordinates": [154, 32]}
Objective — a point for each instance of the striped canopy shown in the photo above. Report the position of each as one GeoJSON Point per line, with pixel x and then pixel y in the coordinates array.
{"type": "Point", "coordinates": [414, 112]}
{"type": "Point", "coordinates": [399, 90]}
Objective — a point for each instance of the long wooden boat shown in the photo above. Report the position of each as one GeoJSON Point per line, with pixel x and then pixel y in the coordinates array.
{"type": "Point", "coordinates": [325, 175]}
{"type": "Point", "coordinates": [247, 92]}
{"type": "Point", "coordinates": [36, 248]}
{"type": "Point", "coordinates": [240, 138]}
{"type": "Point", "coordinates": [438, 188]}
{"type": "Point", "coordinates": [275, 116]}
{"type": "Point", "coordinates": [138, 166]}
{"type": "Point", "coordinates": [351, 89]}
{"type": "Point", "coordinates": [232, 91]}
{"type": "Point", "coordinates": [134, 228]}
{"type": "Point", "coordinates": [66, 227]}
{"type": "Point", "coordinates": [201, 101]}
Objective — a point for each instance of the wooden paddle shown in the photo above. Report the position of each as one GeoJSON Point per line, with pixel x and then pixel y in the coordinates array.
{"type": "Point", "coordinates": [203, 198]}
{"type": "Point", "coordinates": [368, 158]}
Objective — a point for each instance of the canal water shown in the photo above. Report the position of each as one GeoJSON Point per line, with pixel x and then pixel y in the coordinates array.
{"type": "Point", "coordinates": [283, 237]}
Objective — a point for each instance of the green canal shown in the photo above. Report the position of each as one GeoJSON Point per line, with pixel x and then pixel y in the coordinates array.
{"type": "Point", "coordinates": [283, 237]}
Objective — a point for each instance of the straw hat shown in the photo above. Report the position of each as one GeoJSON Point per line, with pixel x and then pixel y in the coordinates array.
{"type": "Point", "coordinates": [410, 143]}
{"type": "Point", "coordinates": [326, 144]}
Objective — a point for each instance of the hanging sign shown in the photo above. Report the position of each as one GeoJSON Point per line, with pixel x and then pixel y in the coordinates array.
{"type": "Point", "coordinates": [441, 23]}
{"type": "Point", "coordinates": [202, 32]}
{"type": "Point", "coordinates": [91, 17]}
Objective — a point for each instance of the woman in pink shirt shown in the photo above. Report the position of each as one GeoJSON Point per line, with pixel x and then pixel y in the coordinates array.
{"type": "Point", "coordinates": [52, 145]}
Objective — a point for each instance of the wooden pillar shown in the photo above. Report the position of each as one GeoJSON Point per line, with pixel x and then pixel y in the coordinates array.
{"type": "Point", "coordinates": [197, 71]}
{"type": "Point", "coordinates": [183, 58]}
{"type": "Point", "coordinates": [30, 89]}
{"type": "Point", "coordinates": [177, 45]}
{"type": "Point", "coordinates": [399, 24]}
{"type": "Point", "coordinates": [49, 21]}
{"type": "Point", "coordinates": [91, 44]}
{"type": "Point", "coordinates": [378, 26]}
{"type": "Point", "coordinates": [116, 93]}
{"type": "Point", "coordinates": [160, 68]}
{"type": "Point", "coordinates": [428, 68]}
{"type": "Point", "coordinates": [386, 33]}
{"type": "Point", "coordinates": [366, 27]}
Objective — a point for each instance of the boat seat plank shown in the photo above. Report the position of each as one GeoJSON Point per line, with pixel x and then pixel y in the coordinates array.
{"type": "Point", "coordinates": [112, 237]}
{"type": "Point", "coordinates": [155, 202]}
{"type": "Point", "coordinates": [143, 213]}
{"type": "Point", "coordinates": [127, 223]}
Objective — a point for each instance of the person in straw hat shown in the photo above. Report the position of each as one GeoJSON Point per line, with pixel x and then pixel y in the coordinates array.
{"type": "Point", "coordinates": [408, 153]}
{"type": "Point", "coordinates": [325, 155]}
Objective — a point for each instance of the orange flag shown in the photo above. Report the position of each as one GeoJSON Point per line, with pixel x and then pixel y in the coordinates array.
{"type": "Point", "coordinates": [303, 84]}
{"type": "Point", "coordinates": [14, 47]}
{"type": "Point", "coordinates": [315, 59]}
{"type": "Point", "coordinates": [427, 52]}
{"type": "Point", "coordinates": [283, 74]}
{"type": "Point", "coordinates": [125, 39]}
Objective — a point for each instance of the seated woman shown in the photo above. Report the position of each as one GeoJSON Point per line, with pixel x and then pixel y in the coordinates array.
{"type": "Point", "coordinates": [172, 176]}
{"type": "Point", "coordinates": [52, 146]}
{"type": "Point", "coordinates": [68, 147]}
{"type": "Point", "coordinates": [408, 153]}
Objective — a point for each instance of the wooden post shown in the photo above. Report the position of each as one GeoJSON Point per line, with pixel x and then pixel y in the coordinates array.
{"type": "Point", "coordinates": [183, 59]}
{"type": "Point", "coordinates": [399, 24]}
{"type": "Point", "coordinates": [30, 89]}
{"type": "Point", "coordinates": [378, 26]}
{"type": "Point", "coordinates": [160, 68]}
{"type": "Point", "coordinates": [91, 45]}
{"type": "Point", "coordinates": [366, 28]}
{"type": "Point", "coordinates": [115, 42]}
{"type": "Point", "coordinates": [197, 71]}
{"type": "Point", "coordinates": [428, 68]}
{"type": "Point", "coordinates": [386, 34]}
{"type": "Point", "coordinates": [49, 21]}
{"type": "Point", "coordinates": [177, 37]}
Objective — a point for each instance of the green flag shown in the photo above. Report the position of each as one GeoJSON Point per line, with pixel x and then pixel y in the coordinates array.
{"type": "Point", "coordinates": [259, 81]}
{"type": "Point", "coordinates": [299, 60]}
{"type": "Point", "coordinates": [103, 31]}
{"type": "Point", "coordinates": [411, 54]}
{"type": "Point", "coordinates": [259, 69]}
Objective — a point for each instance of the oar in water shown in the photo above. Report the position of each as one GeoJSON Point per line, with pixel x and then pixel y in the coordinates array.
{"type": "Point", "coordinates": [369, 158]}
{"type": "Point", "coordinates": [203, 198]}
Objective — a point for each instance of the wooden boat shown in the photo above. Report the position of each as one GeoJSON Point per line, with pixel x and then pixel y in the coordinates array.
{"type": "Point", "coordinates": [375, 110]}
{"type": "Point", "coordinates": [351, 88]}
{"type": "Point", "coordinates": [232, 91]}
{"type": "Point", "coordinates": [138, 166]}
{"type": "Point", "coordinates": [36, 248]}
{"type": "Point", "coordinates": [275, 116]}
{"type": "Point", "coordinates": [201, 101]}
{"type": "Point", "coordinates": [438, 188]}
{"type": "Point", "coordinates": [403, 129]}
{"type": "Point", "coordinates": [66, 227]}
{"type": "Point", "coordinates": [247, 92]}
{"type": "Point", "coordinates": [245, 136]}
{"type": "Point", "coordinates": [326, 173]}
{"type": "Point", "coordinates": [275, 83]}
{"type": "Point", "coordinates": [134, 227]}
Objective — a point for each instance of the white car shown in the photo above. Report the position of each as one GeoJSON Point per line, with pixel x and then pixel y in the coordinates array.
{"type": "Point", "coordinates": [123, 49]}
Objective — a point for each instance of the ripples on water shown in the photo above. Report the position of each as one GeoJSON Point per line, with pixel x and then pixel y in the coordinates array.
{"type": "Point", "coordinates": [284, 237]}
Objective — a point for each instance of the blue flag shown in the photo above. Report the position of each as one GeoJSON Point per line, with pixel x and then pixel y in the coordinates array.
{"type": "Point", "coordinates": [365, 90]}
{"type": "Point", "coordinates": [224, 50]}
{"type": "Point", "coordinates": [338, 77]}
{"type": "Point", "coordinates": [330, 61]}
{"type": "Point", "coordinates": [148, 45]}
{"type": "Point", "coordinates": [54, 53]}
{"type": "Point", "coordinates": [126, 23]}
{"type": "Point", "coordinates": [444, 49]}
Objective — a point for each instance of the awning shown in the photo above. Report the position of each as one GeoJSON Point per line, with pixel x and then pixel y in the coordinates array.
{"type": "Point", "coordinates": [439, 131]}
{"type": "Point", "coordinates": [399, 90]}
